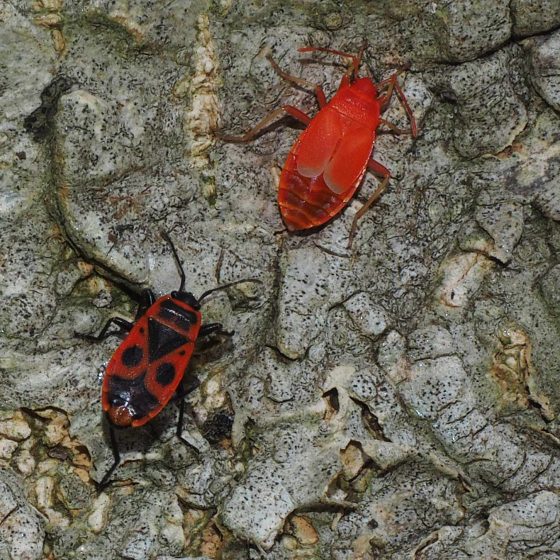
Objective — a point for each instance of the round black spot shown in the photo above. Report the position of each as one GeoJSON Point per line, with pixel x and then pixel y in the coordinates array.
{"type": "Point", "coordinates": [132, 356]}
{"type": "Point", "coordinates": [165, 374]}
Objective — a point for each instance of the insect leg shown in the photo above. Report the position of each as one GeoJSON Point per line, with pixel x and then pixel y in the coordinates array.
{"type": "Point", "coordinates": [297, 114]}
{"type": "Point", "coordinates": [123, 324]}
{"type": "Point", "coordinates": [393, 85]}
{"type": "Point", "coordinates": [265, 122]}
{"type": "Point", "coordinates": [393, 128]}
{"type": "Point", "coordinates": [381, 171]}
{"type": "Point", "coordinates": [321, 97]}
{"type": "Point", "coordinates": [180, 425]}
{"type": "Point", "coordinates": [356, 59]}
{"type": "Point", "coordinates": [389, 83]}
{"type": "Point", "coordinates": [210, 328]}
{"type": "Point", "coordinates": [318, 90]}
{"type": "Point", "coordinates": [117, 459]}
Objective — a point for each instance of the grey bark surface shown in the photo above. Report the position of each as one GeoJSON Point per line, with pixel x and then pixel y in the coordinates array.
{"type": "Point", "coordinates": [398, 399]}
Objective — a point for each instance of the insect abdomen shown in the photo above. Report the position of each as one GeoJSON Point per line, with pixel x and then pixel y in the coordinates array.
{"type": "Point", "coordinates": [148, 366]}
{"type": "Point", "coordinates": [307, 202]}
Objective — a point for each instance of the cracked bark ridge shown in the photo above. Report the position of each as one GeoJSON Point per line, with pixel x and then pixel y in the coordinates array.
{"type": "Point", "coordinates": [22, 531]}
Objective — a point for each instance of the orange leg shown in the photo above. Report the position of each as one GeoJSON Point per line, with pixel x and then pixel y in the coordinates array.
{"type": "Point", "coordinates": [393, 128]}
{"type": "Point", "coordinates": [277, 113]}
{"type": "Point", "coordinates": [265, 122]}
{"type": "Point", "coordinates": [318, 90]}
{"type": "Point", "coordinates": [381, 171]}
{"type": "Point", "coordinates": [356, 59]}
{"type": "Point", "coordinates": [393, 85]}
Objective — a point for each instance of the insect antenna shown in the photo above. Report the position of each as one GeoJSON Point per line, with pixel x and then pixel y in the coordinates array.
{"type": "Point", "coordinates": [356, 59]}
{"type": "Point", "coordinates": [225, 286]}
{"type": "Point", "coordinates": [165, 235]}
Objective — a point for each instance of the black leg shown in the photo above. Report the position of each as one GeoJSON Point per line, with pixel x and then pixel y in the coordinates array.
{"type": "Point", "coordinates": [188, 385]}
{"type": "Point", "coordinates": [210, 328]}
{"type": "Point", "coordinates": [117, 459]}
{"type": "Point", "coordinates": [123, 325]}
{"type": "Point", "coordinates": [147, 298]}
{"type": "Point", "coordinates": [180, 426]}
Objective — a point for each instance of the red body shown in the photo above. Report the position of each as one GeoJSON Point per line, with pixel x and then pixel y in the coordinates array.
{"type": "Point", "coordinates": [146, 369]}
{"type": "Point", "coordinates": [327, 162]}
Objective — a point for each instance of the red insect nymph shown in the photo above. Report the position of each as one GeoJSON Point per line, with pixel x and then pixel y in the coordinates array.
{"type": "Point", "coordinates": [327, 162]}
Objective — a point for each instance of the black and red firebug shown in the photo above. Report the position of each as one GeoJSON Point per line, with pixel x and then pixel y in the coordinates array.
{"type": "Point", "coordinates": [147, 369]}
